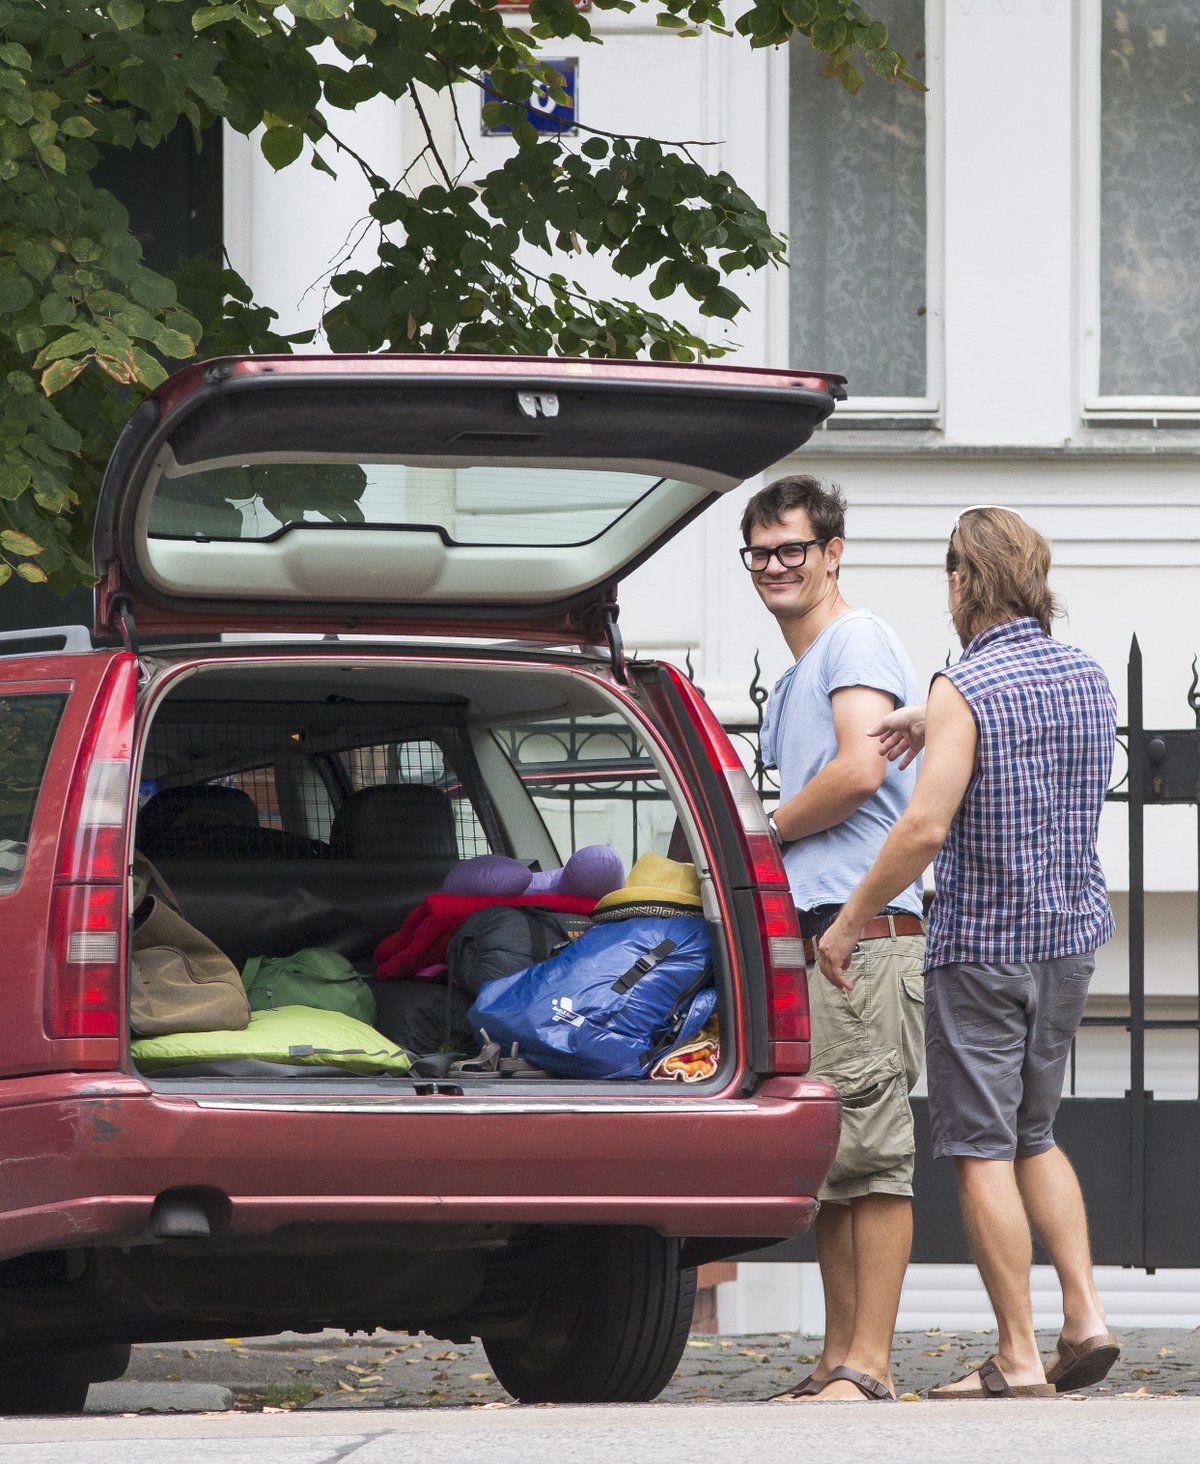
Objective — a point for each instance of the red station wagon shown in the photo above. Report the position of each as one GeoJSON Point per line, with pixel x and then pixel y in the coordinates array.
{"type": "Point", "coordinates": [318, 578]}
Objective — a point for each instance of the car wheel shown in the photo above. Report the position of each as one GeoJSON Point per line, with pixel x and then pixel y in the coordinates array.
{"type": "Point", "coordinates": [609, 1325]}
{"type": "Point", "coordinates": [56, 1382]}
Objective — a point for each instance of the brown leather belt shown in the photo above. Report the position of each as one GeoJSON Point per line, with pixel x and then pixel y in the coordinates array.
{"type": "Point", "coordinates": [882, 927]}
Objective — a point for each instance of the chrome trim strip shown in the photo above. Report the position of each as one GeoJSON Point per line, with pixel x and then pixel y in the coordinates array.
{"type": "Point", "coordinates": [454, 1107]}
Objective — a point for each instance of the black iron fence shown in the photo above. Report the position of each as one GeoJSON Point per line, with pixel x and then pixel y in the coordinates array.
{"type": "Point", "coordinates": [1138, 1155]}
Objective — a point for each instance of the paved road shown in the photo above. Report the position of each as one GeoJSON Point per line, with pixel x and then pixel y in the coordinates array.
{"type": "Point", "coordinates": [1096, 1431]}
{"type": "Point", "coordinates": [394, 1370]}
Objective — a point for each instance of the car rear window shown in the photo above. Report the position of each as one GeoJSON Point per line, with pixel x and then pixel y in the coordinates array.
{"type": "Point", "coordinates": [27, 727]}
{"type": "Point", "coordinates": [492, 504]}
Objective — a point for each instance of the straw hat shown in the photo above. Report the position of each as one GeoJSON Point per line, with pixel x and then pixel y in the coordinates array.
{"type": "Point", "coordinates": [656, 886]}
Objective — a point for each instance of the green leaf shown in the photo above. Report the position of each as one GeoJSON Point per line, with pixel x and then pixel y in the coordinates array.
{"type": "Point", "coordinates": [61, 373]}
{"type": "Point", "coordinates": [57, 310]}
{"type": "Point", "coordinates": [16, 291]}
{"type": "Point", "coordinates": [125, 14]}
{"type": "Point", "coordinates": [282, 145]}
{"type": "Point", "coordinates": [53, 500]}
{"type": "Point", "coordinates": [16, 55]}
{"type": "Point", "coordinates": [53, 157]}
{"type": "Point", "coordinates": [152, 290]}
{"type": "Point", "coordinates": [34, 573]}
{"type": "Point", "coordinates": [721, 302]}
{"type": "Point", "coordinates": [12, 541]}
{"type": "Point", "coordinates": [5, 573]}
{"type": "Point", "coordinates": [150, 373]}
{"type": "Point", "coordinates": [77, 127]}
{"type": "Point", "coordinates": [829, 35]}
{"type": "Point", "coordinates": [202, 19]}
{"type": "Point", "coordinates": [852, 79]}
{"type": "Point", "coordinates": [14, 479]}
{"type": "Point", "coordinates": [70, 344]}
{"type": "Point", "coordinates": [174, 343]}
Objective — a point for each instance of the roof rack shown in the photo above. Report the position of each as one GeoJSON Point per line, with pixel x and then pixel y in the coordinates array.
{"type": "Point", "coordinates": [53, 638]}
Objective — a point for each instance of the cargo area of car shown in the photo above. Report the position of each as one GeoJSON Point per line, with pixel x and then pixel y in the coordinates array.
{"type": "Point", "coordinates": [315, 800]}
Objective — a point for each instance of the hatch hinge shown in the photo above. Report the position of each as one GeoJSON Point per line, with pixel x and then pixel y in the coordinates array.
{"type": "Point", "coordinates": [120, 619]}
{"type": "Point", "coordinates": [608, 612]}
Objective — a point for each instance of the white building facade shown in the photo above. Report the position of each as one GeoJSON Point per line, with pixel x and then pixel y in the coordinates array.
{"type": "Point", "coordinates": [1007, 268]}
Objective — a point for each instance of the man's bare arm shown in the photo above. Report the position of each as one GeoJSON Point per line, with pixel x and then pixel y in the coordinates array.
{"type": "Point", "coordinates": [853, 776]}
{"type": "Point", "coordinates": [951, 742]}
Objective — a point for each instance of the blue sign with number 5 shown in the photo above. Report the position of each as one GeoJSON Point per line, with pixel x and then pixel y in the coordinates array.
{"type": "Point", "coordinates": [543, 111]}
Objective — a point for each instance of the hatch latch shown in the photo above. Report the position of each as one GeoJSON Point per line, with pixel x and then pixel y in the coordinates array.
{"type": "Point", "coordinates": [537, 403]}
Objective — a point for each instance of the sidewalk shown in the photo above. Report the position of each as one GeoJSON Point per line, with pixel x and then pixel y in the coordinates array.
{"type": "Point", "coordinates": [394, 1370]}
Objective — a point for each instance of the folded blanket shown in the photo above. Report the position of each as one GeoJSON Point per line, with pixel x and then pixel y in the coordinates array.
{"type": "Point", "coordinates": [425, 935]}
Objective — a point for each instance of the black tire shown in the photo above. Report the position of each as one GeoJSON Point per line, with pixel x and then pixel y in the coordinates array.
{"type": "Point", "coordinates": [42, 1383]}
{"type": "Point", "coordinates": [610, 1323]}
{"type": "Point", "coordinates": [57, 1382]}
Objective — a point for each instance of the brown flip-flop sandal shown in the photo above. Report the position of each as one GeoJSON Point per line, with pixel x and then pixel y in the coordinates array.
{"type": "Point", "coordinates": [992, 1384]}
{"type": "Point", "coordinates": [1082, 1364]}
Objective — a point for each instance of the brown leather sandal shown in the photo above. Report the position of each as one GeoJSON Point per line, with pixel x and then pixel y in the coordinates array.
{"type": "Point", "coordinates": [871, 1388]}
{"type": "Point", "coordinates": [1082, 1364]}
{"type": "Point", "coordinates": [992, 1384]}
{"type": "Point", "coordinates": [805, 1388]}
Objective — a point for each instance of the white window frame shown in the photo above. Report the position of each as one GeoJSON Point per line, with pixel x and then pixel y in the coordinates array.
{"type": "Point", "coordinates": [1090, 208]}
{"type": "Point", "coordinates": [778, 326]}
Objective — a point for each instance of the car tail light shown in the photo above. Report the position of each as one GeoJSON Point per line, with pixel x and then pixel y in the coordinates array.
{"type": "Point", "coordinates": [85, 976]}
{"type": "Point", "coordinates": [85, 948]}
{"type": "Point", "coordinates": [779, 930]}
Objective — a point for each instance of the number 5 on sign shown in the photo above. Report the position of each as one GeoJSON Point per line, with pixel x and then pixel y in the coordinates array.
{"type": "Point", "coordinates": [543, 111]}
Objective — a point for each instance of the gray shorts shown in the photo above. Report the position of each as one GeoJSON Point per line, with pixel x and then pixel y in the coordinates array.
{"type": "Point", "coordinates": [997, 1039]}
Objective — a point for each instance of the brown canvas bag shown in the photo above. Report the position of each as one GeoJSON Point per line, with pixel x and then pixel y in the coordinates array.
{"type": "Point", "coordinates": [180, 982]}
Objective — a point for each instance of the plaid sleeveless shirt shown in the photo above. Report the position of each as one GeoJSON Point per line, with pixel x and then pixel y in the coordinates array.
{"type": "Point", "coordinates": [1018, 878]}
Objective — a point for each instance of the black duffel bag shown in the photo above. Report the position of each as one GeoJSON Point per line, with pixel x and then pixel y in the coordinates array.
{"type": "Point", "coordinates": [506, 938]}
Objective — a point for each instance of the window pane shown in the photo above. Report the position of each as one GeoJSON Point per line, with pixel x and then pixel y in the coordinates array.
{"type": "Point", "coordinates": [420, 761]}
{"type": "Point", "coordinates": [1150, 198]}
{"type": "Point", "coordinates": [593, 784]}
{"type": "Point", "coordinates": [27, 727]}
{"type": "Point", "coordinates": [857, 219]}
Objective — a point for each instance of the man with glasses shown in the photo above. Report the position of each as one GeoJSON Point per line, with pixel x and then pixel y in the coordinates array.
{"type": "Point", "coordinates": [837, 801]}
{"type": "Point", "coordinates": [1018, 742]}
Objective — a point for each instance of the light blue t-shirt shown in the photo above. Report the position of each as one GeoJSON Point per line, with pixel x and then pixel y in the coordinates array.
{"type": "Point", "coordinates": [857, 649]}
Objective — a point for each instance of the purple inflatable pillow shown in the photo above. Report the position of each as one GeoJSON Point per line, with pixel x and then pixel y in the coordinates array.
{"type": "Point", "coordinates": [591, 872]}
{"type": "Point", "coordinates": [488, 874]}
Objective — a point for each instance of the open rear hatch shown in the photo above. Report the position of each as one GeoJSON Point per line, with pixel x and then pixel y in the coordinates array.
{"type": "Point", "coordinates": [423, 495]}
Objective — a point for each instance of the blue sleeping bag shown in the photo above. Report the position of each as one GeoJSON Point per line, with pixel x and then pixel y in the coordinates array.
{"type": "Point", "coordinates": [610, 1003]}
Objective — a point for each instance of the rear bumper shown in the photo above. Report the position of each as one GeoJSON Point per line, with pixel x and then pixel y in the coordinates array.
{"type": "Point", "coordinates": [90, 1163]}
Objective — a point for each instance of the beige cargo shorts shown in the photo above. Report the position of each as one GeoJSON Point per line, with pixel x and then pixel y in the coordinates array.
{"type": "Point", "coordinates": [870, 1043]}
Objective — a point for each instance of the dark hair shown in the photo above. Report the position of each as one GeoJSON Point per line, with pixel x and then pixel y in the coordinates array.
{"type": "Point", "coordinates": [1003, 566]}
{"type": "Point", "coordinates": [825, 506]}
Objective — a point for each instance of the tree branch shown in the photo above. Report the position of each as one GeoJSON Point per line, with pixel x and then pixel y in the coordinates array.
{"type": "Point", "coordinates": [433, 147]}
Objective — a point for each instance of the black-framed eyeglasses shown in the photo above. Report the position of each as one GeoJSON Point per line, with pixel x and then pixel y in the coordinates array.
{"type": "Point", "coordinates": [757, 557]}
